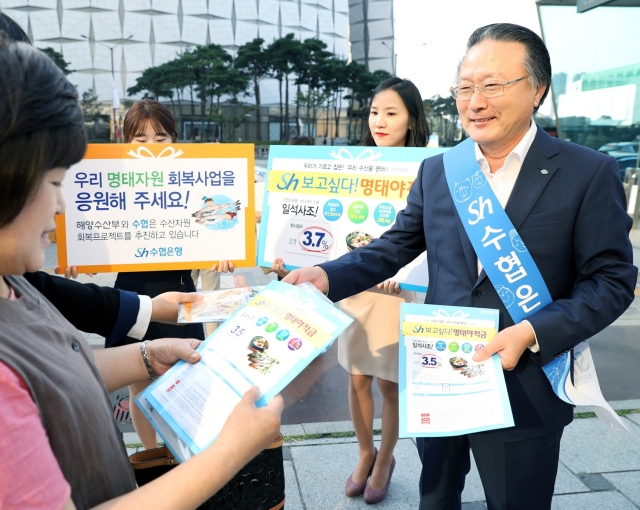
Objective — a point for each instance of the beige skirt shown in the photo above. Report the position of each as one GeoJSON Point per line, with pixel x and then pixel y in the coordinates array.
{"type": "Point", "coordinates": [370, 345]}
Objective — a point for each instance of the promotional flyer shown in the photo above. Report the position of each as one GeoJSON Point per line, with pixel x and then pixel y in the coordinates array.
{"type": "Point", "coordinates": [443, 392]}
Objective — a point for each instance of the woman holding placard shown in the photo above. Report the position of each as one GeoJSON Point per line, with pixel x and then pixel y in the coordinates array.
{"type": "Point", "coordinates": [369, 347]}
{"type": "Point", "coordinates": [148, 122]}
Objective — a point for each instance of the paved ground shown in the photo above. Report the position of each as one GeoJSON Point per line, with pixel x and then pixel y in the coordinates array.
{"type": "Point", "coordinates": [598, 470]}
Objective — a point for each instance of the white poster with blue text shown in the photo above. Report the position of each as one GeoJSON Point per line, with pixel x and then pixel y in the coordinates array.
{"type": "Point", "coordinates": [442, 391]}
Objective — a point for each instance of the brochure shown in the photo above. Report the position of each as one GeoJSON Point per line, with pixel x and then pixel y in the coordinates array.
{"type": "Point", "coordinates": [217, 305]}
{"type": "Point", "coordinates": [443, 392]}
{"type": "Point", "coordinates": [265, 343]}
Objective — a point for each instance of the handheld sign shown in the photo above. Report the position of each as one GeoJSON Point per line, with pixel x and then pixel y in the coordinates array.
{"type": "Point", "coordinates": [158, 207]}
{"type": "Point", "coordinates": [322, 202]}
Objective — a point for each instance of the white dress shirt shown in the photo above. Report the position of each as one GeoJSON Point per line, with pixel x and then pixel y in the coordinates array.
{"type": "Point", "coordinates": [503, 180]}
{"type": "Point", "coordinates": [144, 317]}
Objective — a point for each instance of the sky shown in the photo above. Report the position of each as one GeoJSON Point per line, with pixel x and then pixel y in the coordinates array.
{"type": "Point", "coordinates": [431, 35]}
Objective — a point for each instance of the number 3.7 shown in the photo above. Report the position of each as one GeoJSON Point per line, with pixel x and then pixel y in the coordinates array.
{"type": "Point", "coordinates": [309, 238]}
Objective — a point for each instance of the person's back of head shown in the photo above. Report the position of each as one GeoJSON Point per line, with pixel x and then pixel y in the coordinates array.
{"type": "Point", "coordinates": [148, 112]}
{"type": "Point", "coordinates": [13, 30]}
{"type": "Point", "coordinates": [41, 125]}
{"type": "Point", "coordinates": [299, 140]}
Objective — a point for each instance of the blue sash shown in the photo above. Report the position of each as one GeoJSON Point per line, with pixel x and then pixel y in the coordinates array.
{"type": "Point", "coordinates": [499, 248]}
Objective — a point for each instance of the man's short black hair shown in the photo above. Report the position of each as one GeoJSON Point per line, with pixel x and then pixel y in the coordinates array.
{"type": "Point", "coordinates": [537, 61]}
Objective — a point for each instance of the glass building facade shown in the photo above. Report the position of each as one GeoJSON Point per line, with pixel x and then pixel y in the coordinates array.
{"type": "Point", "coordinates": [595, 57]}
{"type": "Point", "coordinates": [372, 34]}
{"type": "Point", "coordinates": [161, 29]}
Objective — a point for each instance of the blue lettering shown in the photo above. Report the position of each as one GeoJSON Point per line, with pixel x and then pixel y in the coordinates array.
{"type": "Point", "coordinates": [287, 180]}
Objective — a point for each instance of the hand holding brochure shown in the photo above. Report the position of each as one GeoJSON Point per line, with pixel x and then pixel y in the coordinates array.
{"type": "Point", "coordinates": [217, 305]}
{"type": "Point", "coordinates": [443, 392]}
{"type": "Point", "coordinates": [265, 343]}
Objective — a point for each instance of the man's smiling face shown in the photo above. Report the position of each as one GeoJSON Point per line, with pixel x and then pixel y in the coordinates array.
{"type": "Point", "coordinates": [497, 123]}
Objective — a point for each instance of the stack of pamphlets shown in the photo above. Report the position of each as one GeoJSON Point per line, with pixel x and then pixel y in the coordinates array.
{"type": "Point", "coordinates": [266, 343]}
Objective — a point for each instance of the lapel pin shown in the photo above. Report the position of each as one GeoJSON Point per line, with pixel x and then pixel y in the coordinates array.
{"type": "Point", "coordinates": [544, 171]}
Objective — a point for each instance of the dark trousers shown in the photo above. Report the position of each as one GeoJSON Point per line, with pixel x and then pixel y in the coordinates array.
{"type": "Point", "coordinates": [516, 475]}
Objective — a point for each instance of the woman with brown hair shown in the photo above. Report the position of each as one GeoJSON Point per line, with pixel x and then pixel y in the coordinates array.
{"type": "Point", "coordinates": [148, 121]}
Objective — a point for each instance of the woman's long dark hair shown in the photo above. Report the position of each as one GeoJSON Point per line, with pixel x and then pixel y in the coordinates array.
{"type": "Point", "coordinates": [418, 133]}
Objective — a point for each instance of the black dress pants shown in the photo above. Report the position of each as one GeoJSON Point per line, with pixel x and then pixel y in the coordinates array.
{"type": "Point", "coordinates": [516, 475]}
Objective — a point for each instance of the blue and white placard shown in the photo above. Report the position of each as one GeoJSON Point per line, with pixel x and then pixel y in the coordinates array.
{"type": "Point", "coordinates": [321, 202]}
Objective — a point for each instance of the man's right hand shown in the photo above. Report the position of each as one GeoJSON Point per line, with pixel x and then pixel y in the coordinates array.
{"type": "Point", "coordinates": [165, 307]}
{"type": "Point", "coordinates": [314, 275]}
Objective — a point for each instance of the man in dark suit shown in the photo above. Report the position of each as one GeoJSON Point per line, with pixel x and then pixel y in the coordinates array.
{"type": "Point", "coordinates": [569, 208]}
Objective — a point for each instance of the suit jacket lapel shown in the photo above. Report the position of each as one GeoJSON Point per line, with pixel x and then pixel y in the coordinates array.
{"type": "Point", "coordinates": [531, 181]}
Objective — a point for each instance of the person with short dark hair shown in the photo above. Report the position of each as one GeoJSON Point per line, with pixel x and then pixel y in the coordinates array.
{"type": "Point", "coordinates": [101, 310]}
{"type": "Point", "coordinates": [568, 208]}
{"type": "Point", "coordinates": [61, 446]}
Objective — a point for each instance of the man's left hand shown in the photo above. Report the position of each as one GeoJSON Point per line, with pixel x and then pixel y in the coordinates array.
{"type": "Point", "coordinates": [163, 353]}
{"type": "Point", "coordinates": [510, 343]}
